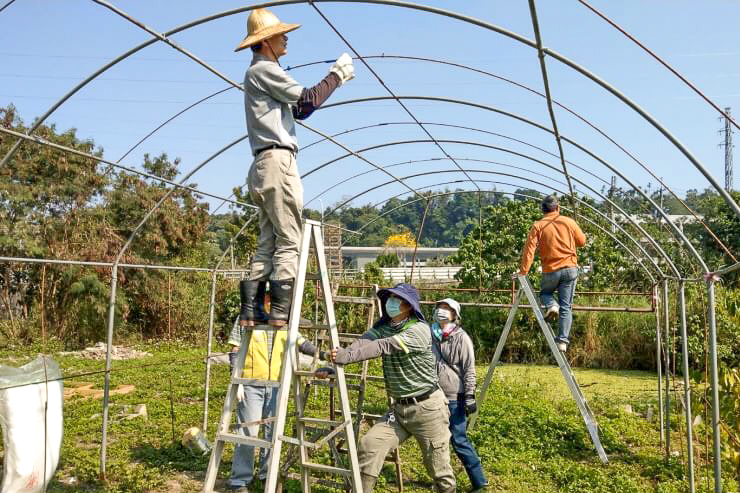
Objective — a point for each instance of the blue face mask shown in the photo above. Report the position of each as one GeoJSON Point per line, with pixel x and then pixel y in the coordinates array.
{"type": "Point", "coordinates": [393, 307]}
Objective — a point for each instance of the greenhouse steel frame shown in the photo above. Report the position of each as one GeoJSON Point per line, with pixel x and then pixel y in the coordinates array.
{"type": "Point", "coordinates": [651, 268]}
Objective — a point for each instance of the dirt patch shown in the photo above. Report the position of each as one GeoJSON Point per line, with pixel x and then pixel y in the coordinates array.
{"type": "Point", "coordinates": [85, 389]}
{"type": "Point", "coordinates": [99, 350]}
{"type": "Point", "coordinates": [182, 483]}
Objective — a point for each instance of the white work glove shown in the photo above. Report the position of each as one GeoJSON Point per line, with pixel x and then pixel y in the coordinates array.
{"type": "Point", "coordinates": [240, 393]}
{"type": "Point", "coordinates": [343, 68]}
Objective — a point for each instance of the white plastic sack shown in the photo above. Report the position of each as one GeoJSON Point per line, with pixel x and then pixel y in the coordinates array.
{"type": "Point", "coordinates": [22, 418]}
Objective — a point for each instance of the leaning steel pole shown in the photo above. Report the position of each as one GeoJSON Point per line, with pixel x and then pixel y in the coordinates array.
{"type": "Point", "coordinates": [686, 383]}
{"type": "Point", "coordinates": [211, 310]}
{"type": "Point", "coordinates": [714, 387]}
{"type": "Point", "coordinates": [658, 355]}
{"type": "Point", "coordinates": [667, 353]}
{"type": "Point", "coordinates": [108, 365]}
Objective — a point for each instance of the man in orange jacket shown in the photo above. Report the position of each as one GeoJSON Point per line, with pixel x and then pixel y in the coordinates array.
{"type": "Point", "coordinates": [557, 237]}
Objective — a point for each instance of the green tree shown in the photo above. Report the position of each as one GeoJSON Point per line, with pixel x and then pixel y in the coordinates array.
{"type": "Point", "coordinates": [45, 196]}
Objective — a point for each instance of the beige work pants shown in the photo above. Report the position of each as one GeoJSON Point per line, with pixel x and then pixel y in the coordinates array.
{"type": "Point", "coordinates": [429, 422]}
{"type": "Point", "coordinates": [275, 187]}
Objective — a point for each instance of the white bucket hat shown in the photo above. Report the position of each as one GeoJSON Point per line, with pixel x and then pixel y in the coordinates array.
{"type": "Point", "coordinates": [453, 304]}
{"type": "Point", "coordinates": [261, 25]}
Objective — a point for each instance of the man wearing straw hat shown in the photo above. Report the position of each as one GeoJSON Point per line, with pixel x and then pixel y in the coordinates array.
{"type": "Point", "coordinates": [273, 100]}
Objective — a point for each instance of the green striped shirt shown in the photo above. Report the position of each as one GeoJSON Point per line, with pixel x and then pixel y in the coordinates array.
{"type": "Point", "coordinates": [412, 371]}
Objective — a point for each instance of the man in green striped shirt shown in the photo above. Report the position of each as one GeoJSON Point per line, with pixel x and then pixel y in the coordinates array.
{"type": "Point", "coordinates": [419, 407]}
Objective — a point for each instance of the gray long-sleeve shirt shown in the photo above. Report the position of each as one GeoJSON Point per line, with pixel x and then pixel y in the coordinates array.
{"type": "Point", "coordinates": [273, 99]}
{"type": "Point", "coordinates": [269, 93]}
{"type": "Point", "coordinates": [455, 357]}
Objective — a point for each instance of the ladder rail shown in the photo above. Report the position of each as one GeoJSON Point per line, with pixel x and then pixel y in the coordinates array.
{"type": "Point", "coordinates": [565, 369]}
{"type": "Point", "coordinates": [562, 362]}
{"type": "Point", "coordinates": [289, 357]}
{"type": "Point", "coordinates": [496, 356]}
{"type": "Point", "coordinates": [218, 448]}
{"type": "Point", "coordinates": [340, 377]}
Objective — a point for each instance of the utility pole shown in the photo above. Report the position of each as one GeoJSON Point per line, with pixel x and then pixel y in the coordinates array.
{"type": "Point", "coordinates": [727, 144]}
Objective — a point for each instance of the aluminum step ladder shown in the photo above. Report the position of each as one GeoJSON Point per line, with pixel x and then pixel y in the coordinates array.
{"type": "Point", "coordinates": [290, 382]}
{"type": "Point", "coordinates": [526, 288]}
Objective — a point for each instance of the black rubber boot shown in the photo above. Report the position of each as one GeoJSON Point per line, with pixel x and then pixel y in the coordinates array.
{"type": "Point", "coordinates": [247, 294]}
{"type": "Point", "coordinates": [260, 315]}
{"type": "Point", "coordinates": [281, 297]}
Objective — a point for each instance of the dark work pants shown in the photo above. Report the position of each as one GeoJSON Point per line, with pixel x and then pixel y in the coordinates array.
{"type": "Point", "coordinates": [462, 445]}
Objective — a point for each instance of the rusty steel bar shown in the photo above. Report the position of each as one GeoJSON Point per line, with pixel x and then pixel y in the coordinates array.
{"type": "Point", "coordinates": [621, 309]}
{"type": "Point", "coordinates": [475, 290]}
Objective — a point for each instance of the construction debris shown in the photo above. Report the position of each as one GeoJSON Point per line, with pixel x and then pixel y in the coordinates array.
{"type": "Point", "coordinates": [98, 352]}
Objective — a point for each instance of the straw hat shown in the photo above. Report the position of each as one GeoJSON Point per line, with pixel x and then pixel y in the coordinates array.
{"type": "Point", "coordinates": [263, 24]}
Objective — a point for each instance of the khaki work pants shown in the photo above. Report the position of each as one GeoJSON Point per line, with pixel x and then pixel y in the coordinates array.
{"type": "Point", "coordinates": [429, 422]}
{"type": "Point", "coordinates": [275, 187]}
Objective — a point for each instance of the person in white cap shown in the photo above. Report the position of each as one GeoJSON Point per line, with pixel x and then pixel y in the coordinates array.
{"type": "Point", "coordinates": [454, 354]}
{"type": "Point", "coordinates": [273, 101]}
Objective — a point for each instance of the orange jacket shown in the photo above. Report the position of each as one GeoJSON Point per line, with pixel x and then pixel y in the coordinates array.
{"type": "Point", "coordinates": [558, 237]}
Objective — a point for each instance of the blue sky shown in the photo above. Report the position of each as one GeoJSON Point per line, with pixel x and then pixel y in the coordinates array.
{"type": "Point", "coordinates": [48, 47]}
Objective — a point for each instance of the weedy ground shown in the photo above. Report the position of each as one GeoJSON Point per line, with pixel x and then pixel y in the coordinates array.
{"type": "Point", "coordinates": [530, 435]}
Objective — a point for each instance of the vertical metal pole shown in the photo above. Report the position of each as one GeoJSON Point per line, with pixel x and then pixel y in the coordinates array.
{"type": "Point", "coordinates": [714, 388]}
{"type": "Point", "coordinates": [108, 364]}
{"type": "Point", "coordinates": [686, 383]}
{"type": "Point", "coordinates": [211, 309]}
{"type": "Point", "coordinates": [667, 352]}
{"type": "Point", "coordinates": [658, 354]}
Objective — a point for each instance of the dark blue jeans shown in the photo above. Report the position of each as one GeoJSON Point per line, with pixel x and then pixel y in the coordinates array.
{"type": "Point", "coordinates": [462, 445]}
{"type": "Point", "coordinates": [564, 282]}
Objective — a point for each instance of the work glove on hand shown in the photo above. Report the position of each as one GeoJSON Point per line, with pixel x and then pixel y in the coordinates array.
{"type": "Point", "coordinates": [324, 372]}
{"type": "Point", "coordinates": [470, 406]}
{"type": "Point", "coordinates": [343, 68]}
{"type": "Point", "coordinates": [240, 393]}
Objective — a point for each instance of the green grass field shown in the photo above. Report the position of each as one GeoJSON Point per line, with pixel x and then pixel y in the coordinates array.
{"type": "Point", "coordinates": [530, 436]}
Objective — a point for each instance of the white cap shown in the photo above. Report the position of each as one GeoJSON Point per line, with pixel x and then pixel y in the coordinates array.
{"type": "Point", "coordinates": [453, 304]}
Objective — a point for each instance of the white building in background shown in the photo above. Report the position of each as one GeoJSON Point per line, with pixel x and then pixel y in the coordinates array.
{"type": "Point", "coordinates": [357, 258]}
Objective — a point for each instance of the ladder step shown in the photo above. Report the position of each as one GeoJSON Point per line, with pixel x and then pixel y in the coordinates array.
{"type": "Point", "coordinates": [243, 440]}
{"type": "Point", "coordinates": [303, 373]}
{"type": "Point", "coordinates": [313, 326]}
{"type": "Point", "coordinates": [371, 378]}
{"type": "Point", "coordinates": [342, 338]}
{"type": "Point", "coordinates": [330, 382]}
{"type": "Point", "coordinates": [327, 469]}
{"type": "Point", "coordinates": [375, 417]}
{"type": "Point", "coordinates": [323, 482]}
{"type": "Point", "coordinates": [321, 421]}
{"type": "Point", "coordinates": [295, 441]}
{"type": "Point", "coordinates": [353, 299]}
{"type": "Point", "coordinates": [255, 381]}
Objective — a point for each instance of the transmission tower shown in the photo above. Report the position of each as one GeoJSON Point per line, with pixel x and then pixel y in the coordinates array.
{"type": "Point", "coordinates": [727, 144]}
